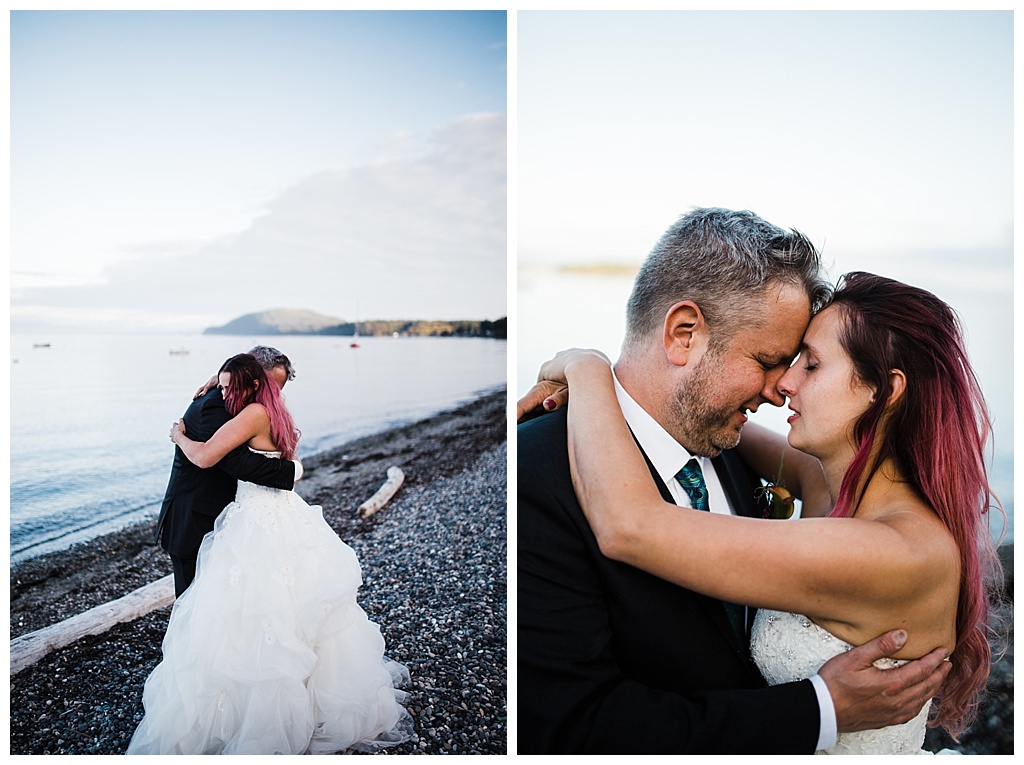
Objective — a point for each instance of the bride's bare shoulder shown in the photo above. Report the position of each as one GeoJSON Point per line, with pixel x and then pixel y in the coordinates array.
{"type": "Point", "coordinates": [920, 526]}
{"type": "Point", "coordinates": [254, 411]}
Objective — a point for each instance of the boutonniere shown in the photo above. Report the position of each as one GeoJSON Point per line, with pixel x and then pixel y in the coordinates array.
{"type": "Point", "coordinates": [774, 499]}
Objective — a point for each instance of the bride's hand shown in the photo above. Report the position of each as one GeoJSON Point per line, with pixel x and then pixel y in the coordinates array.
{"type": "Point", "coordinates": [545, 394]}
{"type": "Point", "coordinates": [206, 388]}
{"type": "Point", "coordinates": [552, 389]}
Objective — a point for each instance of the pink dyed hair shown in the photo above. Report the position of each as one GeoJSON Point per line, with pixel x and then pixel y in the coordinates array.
{"type": "Point", "coordinates": [936, 434]}
{"type": "Point", "coordinates": [245, 373]}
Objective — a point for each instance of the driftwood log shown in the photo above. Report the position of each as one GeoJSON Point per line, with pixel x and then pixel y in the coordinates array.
{"type": "Point", "coordinates": [395, 479]}
{"type": "Point", "coordinates": [28, 649]}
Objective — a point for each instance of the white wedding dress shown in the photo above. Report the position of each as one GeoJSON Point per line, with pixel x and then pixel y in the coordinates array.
{"type": "Point", "coordinates": [267, 652]}
{"type": "Point", "coordinates": [788, 647]}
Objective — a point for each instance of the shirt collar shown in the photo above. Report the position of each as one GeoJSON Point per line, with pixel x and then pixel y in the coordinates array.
{"type": "Point", "coordinates": [665, 453]}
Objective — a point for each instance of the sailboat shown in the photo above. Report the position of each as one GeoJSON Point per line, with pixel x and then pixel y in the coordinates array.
{"type": "Point", "coordinates": [355, 336]}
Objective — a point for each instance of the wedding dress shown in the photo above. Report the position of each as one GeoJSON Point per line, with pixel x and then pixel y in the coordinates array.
{"type": "Point", "coordinates": [789, 647]}
{"type": "Point", "coordinates": [267, 652]}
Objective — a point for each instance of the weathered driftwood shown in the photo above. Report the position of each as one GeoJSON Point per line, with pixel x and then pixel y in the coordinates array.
{"type": "Point", "coordinates": [395, 479]}
{"type": "Point", "coordinates": [28, 649]}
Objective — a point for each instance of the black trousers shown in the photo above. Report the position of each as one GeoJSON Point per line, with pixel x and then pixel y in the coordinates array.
{"type": "Point", "coordinates": [184, 573]}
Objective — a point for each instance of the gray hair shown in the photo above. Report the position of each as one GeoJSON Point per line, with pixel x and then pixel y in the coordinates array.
{"type": "Point", "coordinates": [722, 260]}
{"type": "Point", "coordinates": [271, 357]}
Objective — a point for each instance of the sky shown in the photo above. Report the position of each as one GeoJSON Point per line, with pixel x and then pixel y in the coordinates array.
{"type": "Point", "coordinates": [174, 170]}
{"type": "Point", "coordinates": [884, 136]}
{"type": "Point", "coordinates": [865, 130]}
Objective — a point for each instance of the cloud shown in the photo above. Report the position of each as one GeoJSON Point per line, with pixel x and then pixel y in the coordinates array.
{"type": "Point", "coordinates": [418, 237]}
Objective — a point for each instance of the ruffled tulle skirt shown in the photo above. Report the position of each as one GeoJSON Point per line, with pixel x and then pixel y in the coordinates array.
{"type": "Point", "coordinates": [268, 652]}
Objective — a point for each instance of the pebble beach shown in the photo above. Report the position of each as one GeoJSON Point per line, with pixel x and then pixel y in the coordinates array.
{"type": "Point", "coordinates": [434, 571]}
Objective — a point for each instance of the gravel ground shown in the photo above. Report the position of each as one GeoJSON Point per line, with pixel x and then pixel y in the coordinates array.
{"type": "Point", "coordinates": [434, 569]}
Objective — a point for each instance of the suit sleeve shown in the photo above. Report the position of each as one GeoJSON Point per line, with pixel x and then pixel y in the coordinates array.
{"type": "Point", "coordinates": [241, 463]}
{"type": "Point", "coordinates": [574, 697]}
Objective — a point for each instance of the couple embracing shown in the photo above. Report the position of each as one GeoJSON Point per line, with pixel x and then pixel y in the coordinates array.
{"type": "Point", "coordinates": [266, 650]}
{"type": "Point", "coordinates": [661, 608]}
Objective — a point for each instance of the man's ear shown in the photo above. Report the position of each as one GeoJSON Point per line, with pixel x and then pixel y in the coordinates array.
{"type": "Point", "coordinates": [685, 332]}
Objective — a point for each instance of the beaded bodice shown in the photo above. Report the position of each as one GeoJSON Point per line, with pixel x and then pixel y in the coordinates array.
{"type": "Point", "coordinates": [788, 647]}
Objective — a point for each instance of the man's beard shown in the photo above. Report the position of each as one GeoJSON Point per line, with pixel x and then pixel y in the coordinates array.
{"type": "Point", "coordinates": [702, 428]}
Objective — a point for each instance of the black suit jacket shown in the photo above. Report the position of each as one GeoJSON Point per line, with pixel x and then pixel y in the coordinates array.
{"type": "Point", "coordinates": [195, 496]}
{"type": "Point", "coordinates": [614, 660]}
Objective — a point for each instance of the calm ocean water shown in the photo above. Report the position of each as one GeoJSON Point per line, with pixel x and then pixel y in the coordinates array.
{"type": "Point", "coordinates": [90, 414]}
{"type": "Point", "coordinates": [558, 310]}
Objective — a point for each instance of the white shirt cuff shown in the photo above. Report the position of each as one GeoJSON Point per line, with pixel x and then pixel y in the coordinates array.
{"type": "Point", "coordinates": [828, 732]}
{"type": "Point", "coordinates": [298, 475]}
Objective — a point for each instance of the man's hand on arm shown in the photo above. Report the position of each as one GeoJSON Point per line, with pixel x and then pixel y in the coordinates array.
{"type": "Point", "coordinates": [866, 697]}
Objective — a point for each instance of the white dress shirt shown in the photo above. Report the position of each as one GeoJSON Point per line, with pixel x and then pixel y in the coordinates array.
{"type": "Point", "coordinates": [668, 456]}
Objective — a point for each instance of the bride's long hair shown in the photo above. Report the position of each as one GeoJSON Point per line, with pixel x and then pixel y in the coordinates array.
{"type": "Point", "coordinates": [936, 434]}
{"type": "Point", "coordinates": [249, 384]}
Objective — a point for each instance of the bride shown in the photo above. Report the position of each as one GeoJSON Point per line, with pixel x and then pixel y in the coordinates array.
{"type": "Point", "coordinates": [267, 652]}
{"type": "Point", "coordinates": [886, 439]}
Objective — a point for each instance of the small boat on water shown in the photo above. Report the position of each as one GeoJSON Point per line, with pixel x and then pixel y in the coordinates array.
{"type": "Point", "coordinates": [179, 351]}
{"type": "Point", "coordinates": [40, 345]}
{"type": "Point", "coordinates": [355, 334]}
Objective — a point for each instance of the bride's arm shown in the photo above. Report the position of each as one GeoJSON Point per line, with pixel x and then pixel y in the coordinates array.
{"type": "Point", "coordinates": [827, 568]}
{"type": "Point", "coordinates": [239, 430]}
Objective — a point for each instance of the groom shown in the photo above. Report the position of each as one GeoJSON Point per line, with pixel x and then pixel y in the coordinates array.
{"type": "Point", "coordinates": [195, 496]}
{"type": "Point", "coordinates": [614, 660]}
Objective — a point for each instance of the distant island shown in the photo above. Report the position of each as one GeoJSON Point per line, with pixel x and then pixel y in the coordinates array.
{"type": "Point", "coordinates": [292, 321]}
{"type": "Point", "coordinates": [601, 269]}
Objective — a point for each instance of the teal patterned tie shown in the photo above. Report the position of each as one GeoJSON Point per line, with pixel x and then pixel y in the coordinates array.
{"type": "Point", "coordinates": [692, 480]}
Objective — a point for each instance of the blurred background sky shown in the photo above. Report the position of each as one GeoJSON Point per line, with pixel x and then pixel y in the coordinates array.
{"type": "Point", "coordinates": [870, 131]}
{"type": "Point", "coordinates": [885, 136]}
{"type": "Point", "coordinates": [173, 170]}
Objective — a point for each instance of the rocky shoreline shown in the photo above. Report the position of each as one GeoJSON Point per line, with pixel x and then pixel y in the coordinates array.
{"type": "Point", "coordinates": [434, 569]}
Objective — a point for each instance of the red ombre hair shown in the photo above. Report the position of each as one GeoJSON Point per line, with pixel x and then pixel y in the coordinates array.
{"type": "Point", "coordinates": [249, 384]}
{"type": "Point", "coordinates": [935, 433]}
